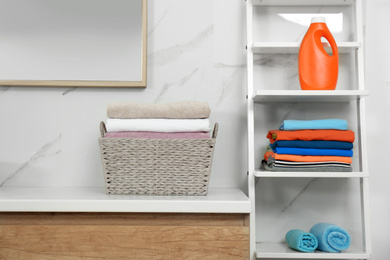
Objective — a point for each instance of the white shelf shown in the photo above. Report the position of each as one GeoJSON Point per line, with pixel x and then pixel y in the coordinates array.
{"type": "Point", "coordinates": [282, 251]}
{"type": "Point", "coordinates": [301, 2]}
{"type": "Point", "coordinates": [267, 96]}
{"type": "Point", "coordinates": [293, 47]}
{"type": "Point", "coordinates": [58, 199]}
{"type": "Point", "coordinates": [271, 174]}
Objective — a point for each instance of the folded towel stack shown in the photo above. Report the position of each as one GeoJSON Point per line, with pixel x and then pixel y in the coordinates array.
{"type": "Point", "coordinates": [312, 145]}
{"type": "Point", "coordinates": [178, 120]}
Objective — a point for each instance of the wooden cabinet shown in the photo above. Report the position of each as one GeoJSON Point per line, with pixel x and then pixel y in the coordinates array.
{"type": "Point", "coordinates": [38, 236]}
{"type": "Point", "coordinates": [39, 223]}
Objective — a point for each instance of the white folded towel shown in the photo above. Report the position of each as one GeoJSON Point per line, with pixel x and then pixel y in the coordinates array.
{"type": "Point", "coordinates": [158, 125]}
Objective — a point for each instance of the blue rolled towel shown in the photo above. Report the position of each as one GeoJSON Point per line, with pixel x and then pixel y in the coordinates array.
{"type": "Point", "coordinates": [301, 241]}
{"type": "Point", "coordinates": [331, 238]}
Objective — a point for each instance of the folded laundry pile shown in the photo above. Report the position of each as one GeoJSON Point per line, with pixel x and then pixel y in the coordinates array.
{"type": "Point", "coordinates": [310, 145]}
{"type": "Point", "coordinates": [157, 149]}
{"type": "Point", "coordinates": [322, 236]}
{"type": "Point", "coordinates": [178, 120]}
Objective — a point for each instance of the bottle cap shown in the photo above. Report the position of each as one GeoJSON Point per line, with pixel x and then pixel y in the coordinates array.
{"type": "Point", "coordinates": [318, 20]}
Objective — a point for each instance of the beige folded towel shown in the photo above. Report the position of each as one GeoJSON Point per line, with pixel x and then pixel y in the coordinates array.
{"type": "Point", "coordinates": [175, 110]}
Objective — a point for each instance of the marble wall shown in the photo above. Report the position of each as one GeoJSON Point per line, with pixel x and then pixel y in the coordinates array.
{"type": "Point", "coordinates": [196, 50]}
{"type": "Point", "coordinates": [378, 121]}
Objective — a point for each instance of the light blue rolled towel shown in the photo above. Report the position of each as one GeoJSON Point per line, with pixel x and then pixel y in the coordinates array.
{"type": "Point", "coordinates": [331, 238]}
{"type": "Point", "coordinates": [338, 124]}
{"type": "Point", "coordinates": [301, 241]}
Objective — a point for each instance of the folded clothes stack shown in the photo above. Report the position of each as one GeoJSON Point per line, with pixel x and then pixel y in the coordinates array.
{"type": "Point", "coordinates": [313, 145]}
{"type": "Point", "coordinates": [178, 120]}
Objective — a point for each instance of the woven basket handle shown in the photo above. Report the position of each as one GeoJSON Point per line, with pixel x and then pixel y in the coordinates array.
{"type": "Point", "coordinates": [103, 129]}
{"type": "Point", "coordinates": [215, 131]}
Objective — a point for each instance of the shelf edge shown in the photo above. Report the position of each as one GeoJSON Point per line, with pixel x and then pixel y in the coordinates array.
{"type": "Point", "coordinates": [300, 2]}
{"type": "Point", "coordinates": [17, 199]}
{"type": "Point", "coordinates": [266, 96]}
{"type": "Point", "coordinates": [282, 251]}
{"type": "Point", "coordinates": [270, 174]}
{"type": "Point", "coordinates": [293, 47]}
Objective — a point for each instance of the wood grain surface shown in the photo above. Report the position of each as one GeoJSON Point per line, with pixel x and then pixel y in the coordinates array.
{"type": "Point", "coordinates": [93, 236]}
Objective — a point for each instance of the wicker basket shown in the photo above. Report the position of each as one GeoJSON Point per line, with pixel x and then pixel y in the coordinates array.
{"type": "Point", "coordinates": [142, 166]}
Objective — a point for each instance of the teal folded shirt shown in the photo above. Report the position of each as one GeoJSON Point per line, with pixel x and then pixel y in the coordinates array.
{"type": "Point", "coordinates": [301, 241]}
{"type": "Point", "coordinates": [338, 124]}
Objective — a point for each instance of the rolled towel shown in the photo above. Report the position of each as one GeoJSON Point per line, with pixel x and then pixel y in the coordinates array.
{"type": "Point", "coordinates": [331, 238]}
{"type": "Point", "coordinates": [301, 241]}
{"type": "Point", "coordinates": [158, 125]}
{"type": "Point", "coordinates": [174, 110]}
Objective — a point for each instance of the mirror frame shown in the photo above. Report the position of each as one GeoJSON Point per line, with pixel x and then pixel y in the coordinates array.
{"type": "Point", "coordinates": [96, 83]}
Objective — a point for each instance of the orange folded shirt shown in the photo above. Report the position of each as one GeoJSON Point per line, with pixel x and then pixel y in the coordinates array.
{"type": "Point", "coordinates": [310, 135]}
{"type": "Point", "coordinates": [307, 158]}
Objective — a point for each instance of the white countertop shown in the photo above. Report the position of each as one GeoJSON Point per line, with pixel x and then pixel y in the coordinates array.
{"type": "Point", "coordinates": [62, 199]}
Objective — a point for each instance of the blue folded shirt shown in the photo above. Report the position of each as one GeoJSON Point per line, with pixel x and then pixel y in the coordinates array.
{"type": "Point", "coordinates": [319, 144]}
{"type": "Point", "coordinates": [313, 152]}
{"type": "Point", "coordinates": [338, 124]}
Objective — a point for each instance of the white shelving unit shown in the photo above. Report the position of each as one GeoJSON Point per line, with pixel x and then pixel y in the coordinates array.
{"type": "Point", "coordinates": [270, 96]}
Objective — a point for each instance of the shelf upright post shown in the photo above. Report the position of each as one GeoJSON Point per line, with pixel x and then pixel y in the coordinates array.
{"type": "Point", "coordinates": [361, 108]}
{"type": "Point", "coordinates": [250, 125]}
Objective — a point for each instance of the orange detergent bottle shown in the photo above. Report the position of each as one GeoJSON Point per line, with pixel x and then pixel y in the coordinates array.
{"type": "Point", "coordinates": [318, 70]}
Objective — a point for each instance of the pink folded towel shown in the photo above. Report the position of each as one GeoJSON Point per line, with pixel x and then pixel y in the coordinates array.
{"type": "Point", "coordinates": [158, 135]}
